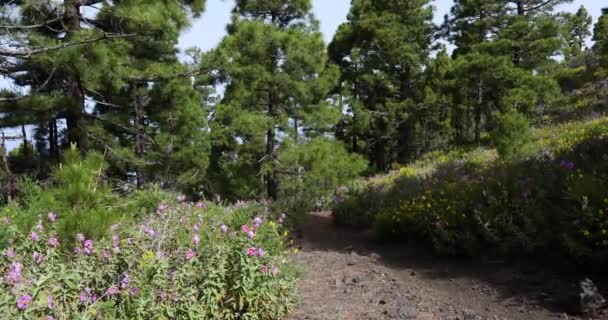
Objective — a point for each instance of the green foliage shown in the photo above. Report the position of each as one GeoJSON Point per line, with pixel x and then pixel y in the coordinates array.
{"type": "Point", "coordinates": [463, 202]}
{"type": "Point", "coordinates": [274, 66]}
{"type": "Point", "coordinates": [77, 190]}
{"type": "Point", "coordinates": [312, 171]}
{"type": "Point", "coordinates": [512, 135]}
{"type": "Point", "coordinates": [176, 263]}
{"type": "Point", "coordinates": [382, 50]}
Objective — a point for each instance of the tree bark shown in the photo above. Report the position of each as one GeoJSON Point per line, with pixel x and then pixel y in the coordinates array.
{"type": "Point", "coordinates": [478, 110]}
{"type": "Point", "coordinates": [76, 125]}
{"type": "Point", "coordinates": [517, 50]}
{"type": "Point", "coordinates": [140, 145]}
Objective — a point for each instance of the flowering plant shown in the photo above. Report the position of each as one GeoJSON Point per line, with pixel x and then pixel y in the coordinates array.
{"type": "Point", "coordinates": [183, 261]}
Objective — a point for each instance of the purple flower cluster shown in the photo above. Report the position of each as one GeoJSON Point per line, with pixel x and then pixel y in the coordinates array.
{"type": "Point", "coordinates": [255, 252]}
{"type": "Point", "coordinates": [568, 165]}
{"type": "Point", "coordinates": [273, 270]}
{"type": "Point", "coordinates": [24, 301]}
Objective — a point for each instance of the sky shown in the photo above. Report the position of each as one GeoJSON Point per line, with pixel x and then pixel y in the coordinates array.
{"type": "Point", "coordinates": [208, 30]}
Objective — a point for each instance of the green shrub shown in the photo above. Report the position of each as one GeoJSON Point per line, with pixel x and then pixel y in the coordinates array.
{"type": "Point", "coordinates": [77, 189]}
{"type": "Point", "coordinates": [311, 172]}
{"type": "Point", "coordinates": [512, 135]}
{"type": "Point", "coordinates": [183, 261]}
{"type": "Point", "coordinates": [554, 200]}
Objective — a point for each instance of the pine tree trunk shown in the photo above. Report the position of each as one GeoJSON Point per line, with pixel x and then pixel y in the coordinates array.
{"type": "Point", "coordinates": [270, 179]}
{"type": "Point", "coordinates": [140, 146]}
{"type": "Point", "coordinates": [478, 109]}
{"type": "Point", "coordinates": [77, 130]}
{"type": "Point", "coordinates": [24, 137]}
{"type": "Point", "coordinates": [517, 51]}
{"type": "Point", "coordinates": [271, 187]}
{"type": "Point", "coordinates": [405, 126]}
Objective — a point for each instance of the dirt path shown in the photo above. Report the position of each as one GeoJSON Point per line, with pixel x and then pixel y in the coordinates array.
{"type": "Point", "coordinates": [349, 276]}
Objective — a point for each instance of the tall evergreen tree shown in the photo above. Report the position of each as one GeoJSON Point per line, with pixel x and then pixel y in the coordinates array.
{"type": "Point", "coordinates": [98, 61]}
{"type": "Point", "coordinates": [382, 50]}
{"type": "Point", "coordinates": [577, 28]}
{"type": "Point", "coordinates": [273, 64]}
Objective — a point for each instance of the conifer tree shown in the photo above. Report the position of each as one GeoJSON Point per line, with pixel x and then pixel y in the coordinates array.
{"type": "Point", "coordinates": [99, 63]}
{"type": "Point", "coordinates": [273, 63]}
{"type": "Point", "coordinates": [577, 29]}
{"type": "Point", "coordinates": [382, 50]}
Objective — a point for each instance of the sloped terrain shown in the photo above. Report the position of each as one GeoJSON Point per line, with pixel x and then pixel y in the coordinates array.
{"type": "Point", "coordinates": [349, 276]}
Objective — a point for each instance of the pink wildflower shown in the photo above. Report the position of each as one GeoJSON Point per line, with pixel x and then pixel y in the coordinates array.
{"type": "Point", "coordinates": [257, 222]}
{"type": "Point", "coordinates": [49, 302]}
{"type": "Point", "coordinates": [251, 234]}
{"type": "Point", "coordinates": [251, 251]}
{"type": "Point", "coordinates": [150, 232]}
{"type": "Point", "coordinates": [53, 242]}
{"type": "Point", "coordinates": [50, 318]}
{"type": "Point", "coordinates": [10, 253]}
{"type": "Point", "coordinates": [84, 296]}
{"type": "Point", "coordinates": [39, 226]}
{"type": "Point", "coordinates": [80, 237]}
{"type": "Point", "coordinates": [23, 302]}
{"type": "Point", "coordinates": [14, 272]}
{"type": "Point", "coordinates": [106, 254]}
{"type": "Point", "coordinates": [34, 236]}
{"type": "Point", "coordinates": [134, 291]}
{"type": "Point", "coordinates": [52, 216]}
{"type": "Point", "coordinates": [245, 228]}
{"type": "Point", "coordinates": [224, 228]}
{"type": "Point", "coordinates": [116, 249]}
{"type": "Point", "coordinates": [196, 239]}
{"type": "Point", "coordinates": [37, 257]}
{"type": "Point", "coordinates": [125, 281]}
{"type": "Point", "coordinates": [113, 290]}
{"type": "Point", "coordinates": [189, 254]}
{"type": "Point", "coordinates": [78, 250]}
{"type": "Point", "coordinates": [161, 208]}
{"type": "Point", "coordinates": [196, 227]}
{"type": "Point", "coordinates": [88, 246]}
{"type": "Point", "coordinates": [116, 240]}
{"type": "Point", "coordinates": [201, 205]}
{"type": "Point", "coordinates": [275, 270]}
{"type": "Point", "coordinates": [261, 253]}
{"type": "Point", "coordinates": [264, 269]}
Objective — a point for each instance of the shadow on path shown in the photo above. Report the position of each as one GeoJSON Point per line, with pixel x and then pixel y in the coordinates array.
{"type": "Point", "coordinates": [521, 289]}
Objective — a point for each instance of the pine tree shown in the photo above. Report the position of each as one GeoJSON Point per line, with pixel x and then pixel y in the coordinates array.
{"type": "Point", "coordinates": [382, 50]}
{"type": "Point", "coordinates": [101, 75]}
{"type": "Point", "coordinates": [577, 30]}
{"type": "Point", "coordinates": [273, 63]}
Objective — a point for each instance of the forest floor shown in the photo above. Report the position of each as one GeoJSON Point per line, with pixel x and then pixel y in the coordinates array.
{"type": "Point", "coordinates": [350, 276]}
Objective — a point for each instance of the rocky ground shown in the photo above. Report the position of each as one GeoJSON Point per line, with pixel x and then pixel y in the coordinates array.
{"type": "Point", "coordinates": [348, 275]}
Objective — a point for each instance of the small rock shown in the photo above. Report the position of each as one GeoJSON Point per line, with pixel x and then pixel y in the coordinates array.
{"type": "Point", "coordinates": [382, 302]}
{"type": "Point", "coordinates": [471, 317]}
{"type": "Point", "coordinates": [590, 297]}
{"type": "Point", "coordinates": [413, 273]}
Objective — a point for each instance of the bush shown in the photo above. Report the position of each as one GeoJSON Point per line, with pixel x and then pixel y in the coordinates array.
{"type": "Point", "coordinates": [512, 135]}
{"type": "Point", "coordinates": [78, 190]}
{"type": "Point", "coordinates": [555, 200]}
{"type": "Point", "coordinates": [184, 261]}
{"type": "Point", "coordinates": [311, 172]}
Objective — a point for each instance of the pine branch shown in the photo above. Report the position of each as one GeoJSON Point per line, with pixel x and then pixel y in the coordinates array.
{"type": "Point", "coordinates": [32, 26]}
{"type": "Point", "coordinates": [27, 53]}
